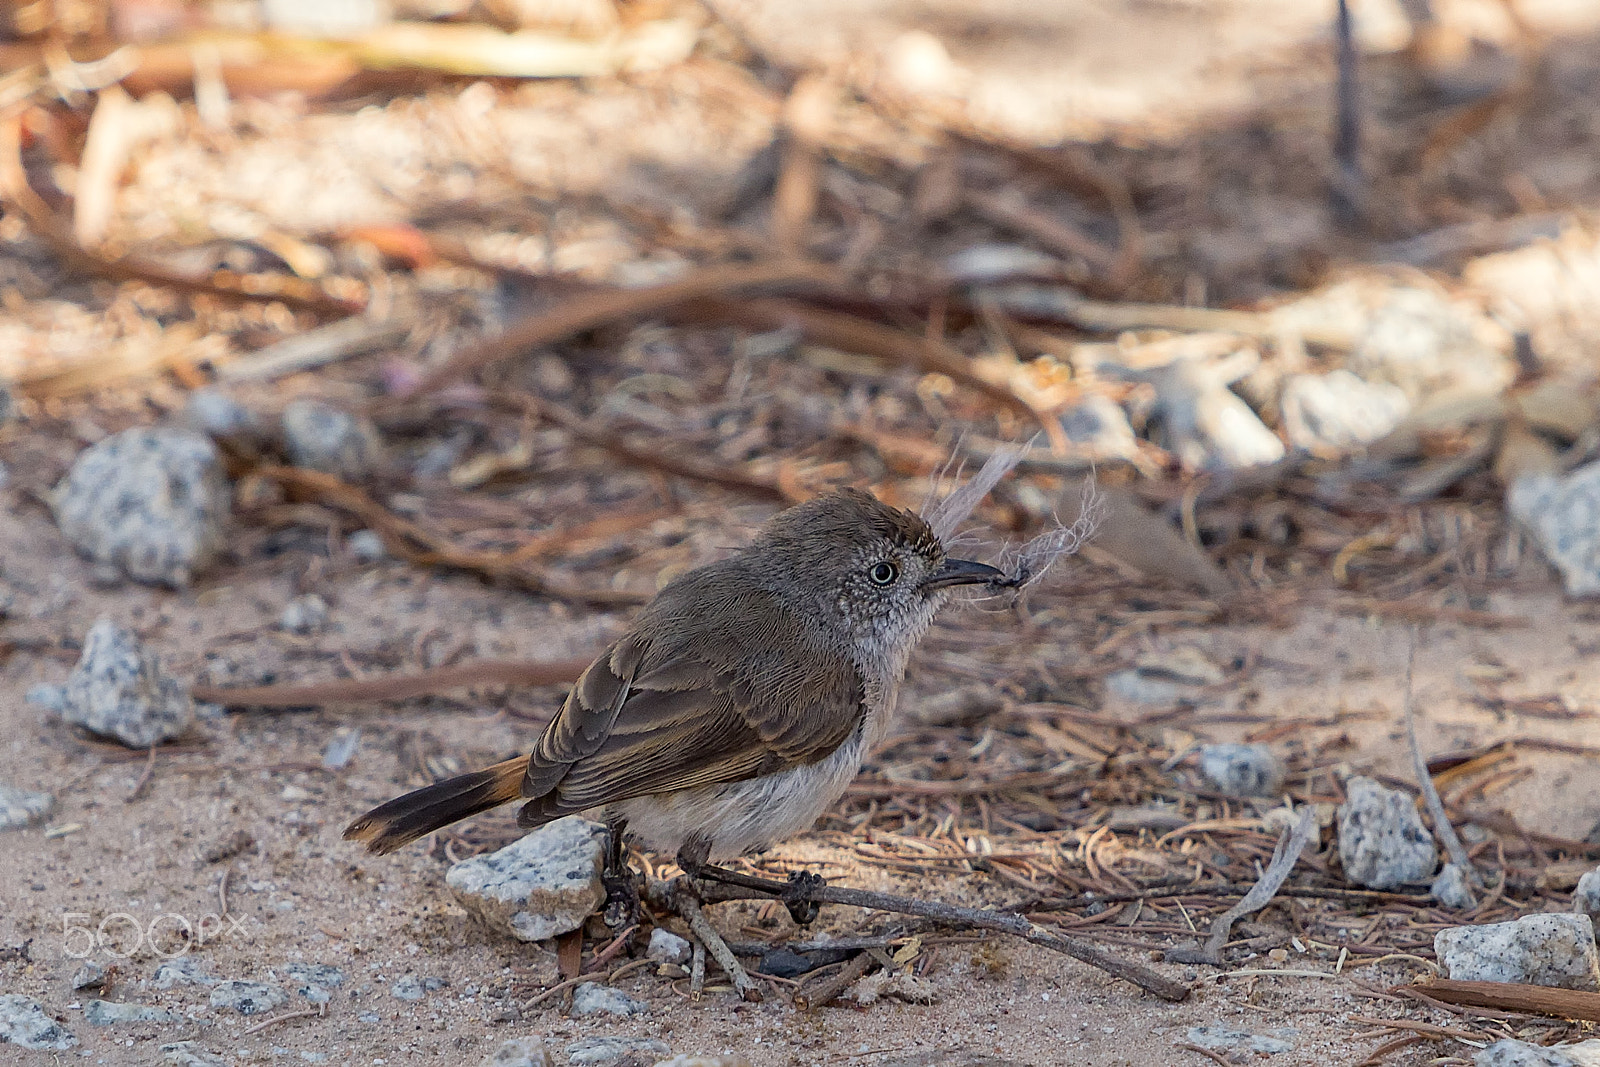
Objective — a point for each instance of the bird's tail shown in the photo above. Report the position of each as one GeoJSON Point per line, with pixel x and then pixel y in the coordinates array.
{"type": "Point", "coordinates": [404, 819]}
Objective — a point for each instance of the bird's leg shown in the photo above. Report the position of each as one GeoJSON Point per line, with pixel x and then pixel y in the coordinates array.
{"type": "Point", "coordinates": [692, 856]}
{"type": "Point", "coordinates": [622, 895]}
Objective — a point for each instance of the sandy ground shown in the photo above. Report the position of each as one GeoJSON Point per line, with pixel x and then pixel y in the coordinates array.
{"type": "Point", "coordinates": [299, 893]}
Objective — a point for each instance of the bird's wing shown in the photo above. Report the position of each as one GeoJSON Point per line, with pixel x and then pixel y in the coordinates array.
{"type": "Point", "coordinates": [697, 706]}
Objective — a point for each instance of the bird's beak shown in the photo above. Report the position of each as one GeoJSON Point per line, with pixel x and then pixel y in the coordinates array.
{"type": "Point", "coordinates": [962, 572]}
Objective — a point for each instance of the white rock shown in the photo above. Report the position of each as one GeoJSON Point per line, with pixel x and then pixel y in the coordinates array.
{"type": "Point", "coordinates": [1241, 770]}
{"type": "Point", "coordinates": [519, 1052]}
{"type": "Point", "coordinates": [1099, 425]}
{"type": "Point", "coordinates": [23, 1022]}
{"type": "Point", "coordinates": [668, 947]}
{"type": "Point", "coordinates": [185, 1054]}
{"type": "Point", "coordinates": [1339, 411]}
{"type": "Point", "coordinates": [596, 1050]}
{"type": "Point", "coordinates": [1563, 515]}
{"type": "Point", "coordinates": [326, 439]}
{"type": "Point", "coordinates": [1382, 842]}
{"type": "Point", "coordinates": [150, 504]}
{"type": "Point", "coordinates": [704, 1061]}
{"type": "Point", "coordinates": [119, 690]}
{"type": "Point", "coordinates": [592, 998]}
{"type": "Point", "coordinates": [111, 1013]}
{"type": "Point", "coordinates": [366, 546]}
{"type": "Point", "coordinates": [304, 614]}
{"type": "Point", "coordinates": [182, 971]}
{"type": "Point", "coordinates": [1509, 1052]}
{"type": "Point", "coordinates": [1586, 898]}
{"type": "Point", "coordinates": [1219, 1036]}
{"type": "Point", "coordinates": [248, 998]}
{"type": "Point", "coordinates": [1453, 888]}
{"type": "Point", "coordinates": [20, 807]}
{"type": "Point", "coordinates": [540, 886]}
{"type": "Point", "coordinates": [1554, 950]}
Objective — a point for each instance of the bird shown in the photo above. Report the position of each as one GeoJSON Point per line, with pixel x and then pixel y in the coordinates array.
{"type": "Point", "coordinates": [739, 704]}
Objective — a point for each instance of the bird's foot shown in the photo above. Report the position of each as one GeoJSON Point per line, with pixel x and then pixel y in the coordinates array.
{"type": "Point", "coordinates": [797, 896]}
{"type": "Point", "coordinates": [622, 900]}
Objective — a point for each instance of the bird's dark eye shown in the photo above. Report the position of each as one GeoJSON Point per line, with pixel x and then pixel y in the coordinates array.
{"type": "Point", "coordinates": [883, 573]}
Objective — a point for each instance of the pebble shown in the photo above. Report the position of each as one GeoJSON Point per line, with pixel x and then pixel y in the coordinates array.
{"type": "Point", "coordinates": [1554, 950]}
{"type": "Point", "coordinates": [704, 1061]}
{"type": "Point", "coordinates": [23, 1022]}
{"type": "Point", "coordinates": [1382, 842]}
{"type": "Point", "coordinates": [52, 698]}
{"type": "Point", "coordinates": [1339, 411]}
{"type": "Point", "coordinates": [313, 981]}
{"type": "Point", "coordinates": [304, 614]}
{"type": "Point", "coordinates": [1563, 516]}
{"type": "Point", "coordinates": [147, 504]}
{"type": "Point", "coordinates": [182, 971]}
{"type": "Point", "coordinates": [1453, 888]}
{"type": "Point", "coordinates": [366, 546]}
{"type": "Point", "coordinates": [118, 690]}
{"type": "Point", "coordinates": [412, 987]}
{"type": "Point", "coordinates": [1509, 1052]}
{"type": "Point", "coordinates": [1241, 770]}
{"type": "Point", "coordinates": [185, 1054]}
{"type": "Point", "coordinates": [539, 886]}
{"type": "Point", "coordinates": [668, 947]}
{"type": "Point", "coordinates": [19, 807]}
{"type": "Point", "coordinates": [342, 749]}
{"type": "Point", "coordinates": [1217, 1036]}
{"type": "Point", "coordinates": [248, 998]}
{"type": "Point", "coordinates": [218, 415]}
{"type": "Point", "coordinates": [1100, 426]}
{"type": "Point", "coordinates": [110, 1013]}
{"type": "Point", "coordinates": [520, 1052]}
{"type": "Point", "coordinates": [323, 438]}
{"type": "Point", "coordinates": [1166, 677]}
{"type": "Point", "coordinates": [592, 1050]}
{"type": "Point", "coordinates": [592, 998]}
{"type": "Point", "coordinates": [91, 975]}
{"type": "Point", "coordinates": [1586, 898]}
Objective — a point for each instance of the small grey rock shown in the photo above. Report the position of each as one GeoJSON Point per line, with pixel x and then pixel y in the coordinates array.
{"type": "Point", "coordinates": [407, 987]}
{"type": "Point", "coordinates": [182, 971]}
{"type": "Point", "coordinates": [323, 438]}
{"type": "Point", "coordinates": [1218, 1036]}
{"type": "Point", "coordinates": [1382, 842]}
{"type": "Point", "coordinates": [313, 981]}
{"type": "Point", "coordinates": [304, 614]}
{"type": "Point", "coordinates": [23, 1022]}
{"type": "Point", "coordinates": [248, 998]}
{"type": "Point", "coordinates": [19, 807]}
{"type": "Point", "coordinates": [1554, 950]}
{"type": "Point", "coordinates": [1099, 425]}
{"type": "Point", "coordinates": [218, 415]}
{"type": "Point", "coordinates": [118, 690]}
{"type": "Point", "coordinates": [366, 546]}
{"type": "Point", "coordinates": [539, 886]}
{"type": "Point", "coordinates": [109, 1013]}
{"type": "Point", "coordinates": [707, 1061]}
{"type": "Point", "coordinates": [519, 1052]}
{"type": "Point", "coordinates": [185, 1054]}
{"type": "Point", "coordinates": [342, 749]}
{"type": "Point", "coordinates": [90, 976]}
{"type": "Point", "coordinates": [668, 947]}
{"type": "Point", "coordinates": [1241, 770]}
{"type": "Point", "coordinates": [150, 504]}
{"type": "Point", "coordinates": [1586, 898]}
{"type": "Point", "coordinates": [592, 1050]}
{"type": "Point", "coordinates": [1509, 1052]}
{"type": "Point", "coordinates": [49, 697]}
{"type": "Point", "coordinates": [1166, 677]}
{"type": "Point", "coordinates": [1563, 515]}
{"type": "Point", "coordinates": [1453, 888]}
{"type": "Point", "coordinates": [592, 998]}
{"type": "Point", "coordinates": [1339, 411]}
